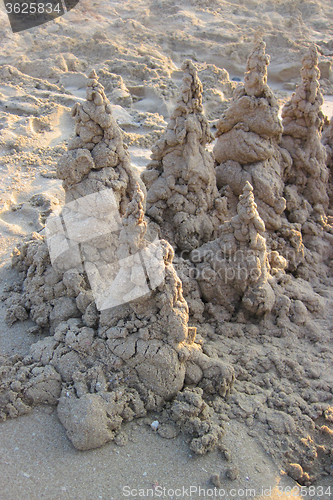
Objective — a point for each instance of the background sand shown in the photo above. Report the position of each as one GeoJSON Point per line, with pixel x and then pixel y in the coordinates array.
{"type": "Point", "coordinates": [137, 49]}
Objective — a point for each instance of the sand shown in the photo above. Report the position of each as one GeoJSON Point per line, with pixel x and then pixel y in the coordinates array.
{"type": "Point", "coordinates": [138, 58]}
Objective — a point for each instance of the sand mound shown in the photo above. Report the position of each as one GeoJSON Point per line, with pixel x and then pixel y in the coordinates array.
{"type": "Point", "coordinates": [302, 123]}
{"type": "Point", "coordinates": [181, 188]}
{"type": "Point", "coordinates": [119, 347]}
{"type": "Point", "coordinates": [110, 367]}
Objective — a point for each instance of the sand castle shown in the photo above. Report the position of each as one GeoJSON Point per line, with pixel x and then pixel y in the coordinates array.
{"type": "Point", "coordinates": [306, 180]}
{"type": "Point", "coordinates": [120, 343]}
{"type": "Point", "coordinates": [234, 268]}
{"type": "Point", "coordinates": [247, 148]}
{"type": "Point", "coordinates": [182, 196]}
{"type": "Point", "coordinates": [121, 327]}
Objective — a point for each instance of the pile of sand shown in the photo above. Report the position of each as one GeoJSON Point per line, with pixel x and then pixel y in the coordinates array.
{"type": "Point", "coordinates": [246, 290]}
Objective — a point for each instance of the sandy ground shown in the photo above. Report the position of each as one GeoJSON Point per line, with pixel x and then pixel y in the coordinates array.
{"type": "Point", "coordinates": [139, 47]}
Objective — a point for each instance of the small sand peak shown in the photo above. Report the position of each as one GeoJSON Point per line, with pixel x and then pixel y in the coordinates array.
{"type": "Point", "coordinates": [247, 189]}
{"type": "Point", "coordinates": [93, 74]}
{"type": "Point", "coordinates": [132, 234]}
{"type": "Point", "coordinates": [237, 262]}
{"type": "Point", "coordinates": [248, 215]}
{"type": "Point", "coordinates": [247, 208]}
{"type": "Point", "coordinates": [255, 78]}
{"type": "Point", "coordinates": [310, 74]}
{"type": "Point", "coordinates": [190, 99]}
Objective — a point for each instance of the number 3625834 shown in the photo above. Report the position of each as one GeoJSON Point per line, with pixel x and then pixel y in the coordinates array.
{"type": "Point", "coordinates": [32, 8]}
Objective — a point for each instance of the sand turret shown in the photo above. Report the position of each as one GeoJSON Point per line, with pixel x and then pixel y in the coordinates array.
{"type": "Point", "coordinates": [182, 196]}
{"type": "Point", "coordinates": [248, 135]}
{"type": "Point", "coordinates": [306, 180]}
{"type": "Point", "coordinates": [234, 269]}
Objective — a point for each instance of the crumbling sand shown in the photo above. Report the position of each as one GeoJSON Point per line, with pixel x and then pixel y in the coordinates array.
{"type": "Point", "coordinates": [144, 345]}
{"type": "Point", "coordinates": [282, 394]}
{"type": "Point", "coordinates": [302, 119]}
{"type": "Point", "coordinates": [182, 196]}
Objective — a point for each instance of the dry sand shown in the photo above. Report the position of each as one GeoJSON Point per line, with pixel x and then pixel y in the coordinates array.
{"type": "Point", "coordinates": [138, 49]}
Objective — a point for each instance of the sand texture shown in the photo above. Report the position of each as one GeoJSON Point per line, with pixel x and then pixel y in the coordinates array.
{"type": "Point", "coordinates": [182, 194]}
{"type": "Point", "coordinates": [166, 226]}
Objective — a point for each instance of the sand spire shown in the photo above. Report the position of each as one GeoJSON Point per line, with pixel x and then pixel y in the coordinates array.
{"type": "Point", "coordinates": [255, 77]}
{"type": "Point", "coordinates": [181, 188]}
{"type": "Point", "coordinates": [248, 135]}
{"type": "Point", "coordinates": [97, 158]}
{"type": "Point", "coordinates": [234, 268]}
{"type": "Point", "coordinates": [248, 150]}
{"type": "Point", "coordinates": [306, 180]}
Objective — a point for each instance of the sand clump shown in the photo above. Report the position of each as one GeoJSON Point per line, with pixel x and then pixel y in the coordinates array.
{"type": "Point", "coordinates": [234, 268]}
{"type": "Point", "coordinates": [182, 196]}
{"type": "Point", "coordinates": [118, 347]}
{"type": "Point", "coordinates": [120, 308]}
{"type": "Point", "coordinates": [302, 119]}
{"type": "Point", "coordinates": [196, 418]}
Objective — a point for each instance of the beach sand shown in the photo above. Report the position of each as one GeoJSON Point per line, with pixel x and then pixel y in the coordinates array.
{"type": "Point", "coordinates": [138, 48]}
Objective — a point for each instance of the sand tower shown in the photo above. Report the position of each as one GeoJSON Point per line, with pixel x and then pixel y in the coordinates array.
{"type": "Point", "coordinates": [97, 158]}
{"type": "Point", "coordinates": [109, 300]}
{"type": "Point", "coordinates": [247, 148]}
{"type": "Point", "coordinates": [234, 268]}
{"type": "Point", "coordinates": [182, 196]}
{"type": "Point", "coordinates": [306, 180]}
